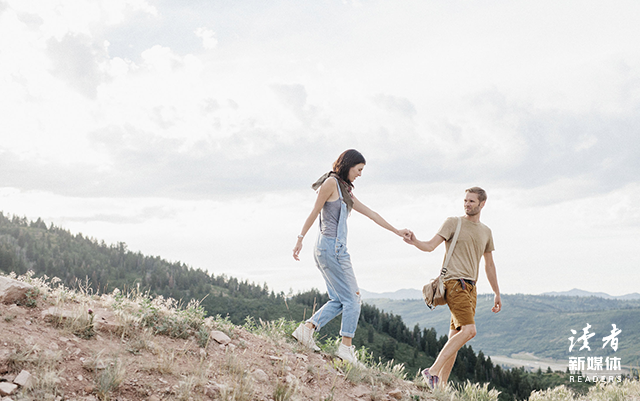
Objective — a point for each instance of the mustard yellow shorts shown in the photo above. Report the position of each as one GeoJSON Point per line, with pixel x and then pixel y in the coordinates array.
{"type": "Point", "coordinates": [462, 303]}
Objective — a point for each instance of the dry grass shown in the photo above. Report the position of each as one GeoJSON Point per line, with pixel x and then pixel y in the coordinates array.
{"type": "Point", "coordinates": [627, 390]}
{"type": "Point", "coordinates": [143, 341]}
{"type": "Point", "coordinates": [285, 391]}
{"type": "Point", "coordinates": [21, 357]}
{"type": "Point", "coordinates": [240, 387]}
{"type": "Point", "coordinates": [45, 368]}
{"type": "Point", "coordinates": [109, 378]}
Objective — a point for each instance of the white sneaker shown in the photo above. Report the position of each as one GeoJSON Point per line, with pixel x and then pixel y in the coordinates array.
{"type": "Point", "coordinates": [348, 354]}
{"type": "Point", "coordinates": [304, 335]}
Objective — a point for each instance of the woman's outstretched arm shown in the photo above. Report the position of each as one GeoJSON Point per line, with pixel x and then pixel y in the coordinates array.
{"type": "Point", "coordinates": [361, 208]}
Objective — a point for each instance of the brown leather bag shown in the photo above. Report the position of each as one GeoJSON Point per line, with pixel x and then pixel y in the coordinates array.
{"type": "Point", "coordinates": [433, 292]}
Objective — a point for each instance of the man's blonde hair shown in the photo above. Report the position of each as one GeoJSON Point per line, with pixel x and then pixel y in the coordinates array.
{"type": "Point", "coordinates": [482, 194]}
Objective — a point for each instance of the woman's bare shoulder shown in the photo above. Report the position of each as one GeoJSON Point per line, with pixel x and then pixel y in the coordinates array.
{"type": "Point", "coordinates": [330, 187]}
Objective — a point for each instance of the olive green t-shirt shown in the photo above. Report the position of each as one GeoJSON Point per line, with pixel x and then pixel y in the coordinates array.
{"type": "Point", "coordinates": [475, 240]}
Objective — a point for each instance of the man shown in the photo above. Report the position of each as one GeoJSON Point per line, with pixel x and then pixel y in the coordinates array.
{"type": "Point", "coordinates": [474, 241]}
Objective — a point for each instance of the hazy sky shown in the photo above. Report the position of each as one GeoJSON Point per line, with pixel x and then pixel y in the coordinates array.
{"type": "Point", "coordinates": [193, 129]}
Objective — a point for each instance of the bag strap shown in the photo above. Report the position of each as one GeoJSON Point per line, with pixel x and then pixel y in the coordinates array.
{"type": "Point", "coordinates": [453, 244]}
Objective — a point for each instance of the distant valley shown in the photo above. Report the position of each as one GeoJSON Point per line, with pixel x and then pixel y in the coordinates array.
{"type": "Point", "coordinates": [535, 324]}
{"type": "Point", "coordinates": [412, 293]}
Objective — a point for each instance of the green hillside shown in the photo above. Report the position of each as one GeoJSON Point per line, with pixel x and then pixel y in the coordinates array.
{"type": "Point", "coordinates": [538, 324]}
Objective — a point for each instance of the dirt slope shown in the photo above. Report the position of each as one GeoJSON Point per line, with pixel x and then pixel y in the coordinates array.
{"type": "Point", "coordinates": [119, 359]}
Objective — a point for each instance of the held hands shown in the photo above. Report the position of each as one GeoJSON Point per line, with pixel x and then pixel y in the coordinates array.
{"type": "Point", "coordinates": [410, 238]}
{"type": "Point", "coordinates": [404, 233]}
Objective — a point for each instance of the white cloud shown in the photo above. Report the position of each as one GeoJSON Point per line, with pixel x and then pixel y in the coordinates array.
{"type": "Point", "coordinates": [161, 60]}
{"type": "Point", "coordinates": [58, 19]}
{"type": "Point", "coordinates": [77, 62]}
{"type": "Point", "coordinates": [208, 37]}
{"type": "Point", "coordinates": [399, 105]}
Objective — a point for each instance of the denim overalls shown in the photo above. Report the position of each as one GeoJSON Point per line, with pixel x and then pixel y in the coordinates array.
{"type": "Point", "coordinates": [334, 263]}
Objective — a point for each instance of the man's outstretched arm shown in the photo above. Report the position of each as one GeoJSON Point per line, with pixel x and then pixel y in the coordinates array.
{"type": "Point", "coordinates": [492, 276]}
{"type": "Point", "coordinates": [426, 246]}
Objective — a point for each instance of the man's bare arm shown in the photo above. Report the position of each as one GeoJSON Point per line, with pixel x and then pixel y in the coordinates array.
{"type": "Point", "coordinates": [492, 276]}
{"type": "Point", "coordinates": [426, 246]}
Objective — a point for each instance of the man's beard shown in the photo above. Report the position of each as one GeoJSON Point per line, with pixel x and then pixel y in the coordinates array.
{"type": "Point", "coordinates": [473, 211]}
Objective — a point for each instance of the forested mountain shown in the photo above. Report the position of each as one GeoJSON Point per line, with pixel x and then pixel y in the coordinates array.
{"type": "Point", "coordinates": [78, 260]}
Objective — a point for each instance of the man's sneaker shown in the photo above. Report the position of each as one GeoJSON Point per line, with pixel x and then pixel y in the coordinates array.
{"type": "Point", "coordinates": [431, 380]}
{"type": "Point", "coordinates": [348, 354]}
{"type": "Point", "coordinates": [304, 335]}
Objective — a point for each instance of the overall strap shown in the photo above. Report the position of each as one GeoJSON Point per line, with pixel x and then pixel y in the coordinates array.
{"type": "Point", "coordinates": [338, 184]}
{"type": "Point", "coordinates": [453, 244]}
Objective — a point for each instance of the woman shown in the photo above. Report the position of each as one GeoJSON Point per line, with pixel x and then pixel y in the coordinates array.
{"type": "Point", "coordinates": [334, 203]}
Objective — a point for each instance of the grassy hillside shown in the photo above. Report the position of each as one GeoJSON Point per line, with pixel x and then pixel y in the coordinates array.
{"type": "Point", "coordinates": [135, 347]}
{"type": "Point", "coordinates": [95, 267]}
{"type": "Point", "coordinates": [537, 324]}
{"type": "Point", "coordinates": [82, 262]}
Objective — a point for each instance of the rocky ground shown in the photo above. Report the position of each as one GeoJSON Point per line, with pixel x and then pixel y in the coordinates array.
{"type": "Point", "coordinates": [59, 345]}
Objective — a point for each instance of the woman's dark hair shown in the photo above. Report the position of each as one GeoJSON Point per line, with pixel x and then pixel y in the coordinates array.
{"type": "Point", "coordinates": [345, 161]}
